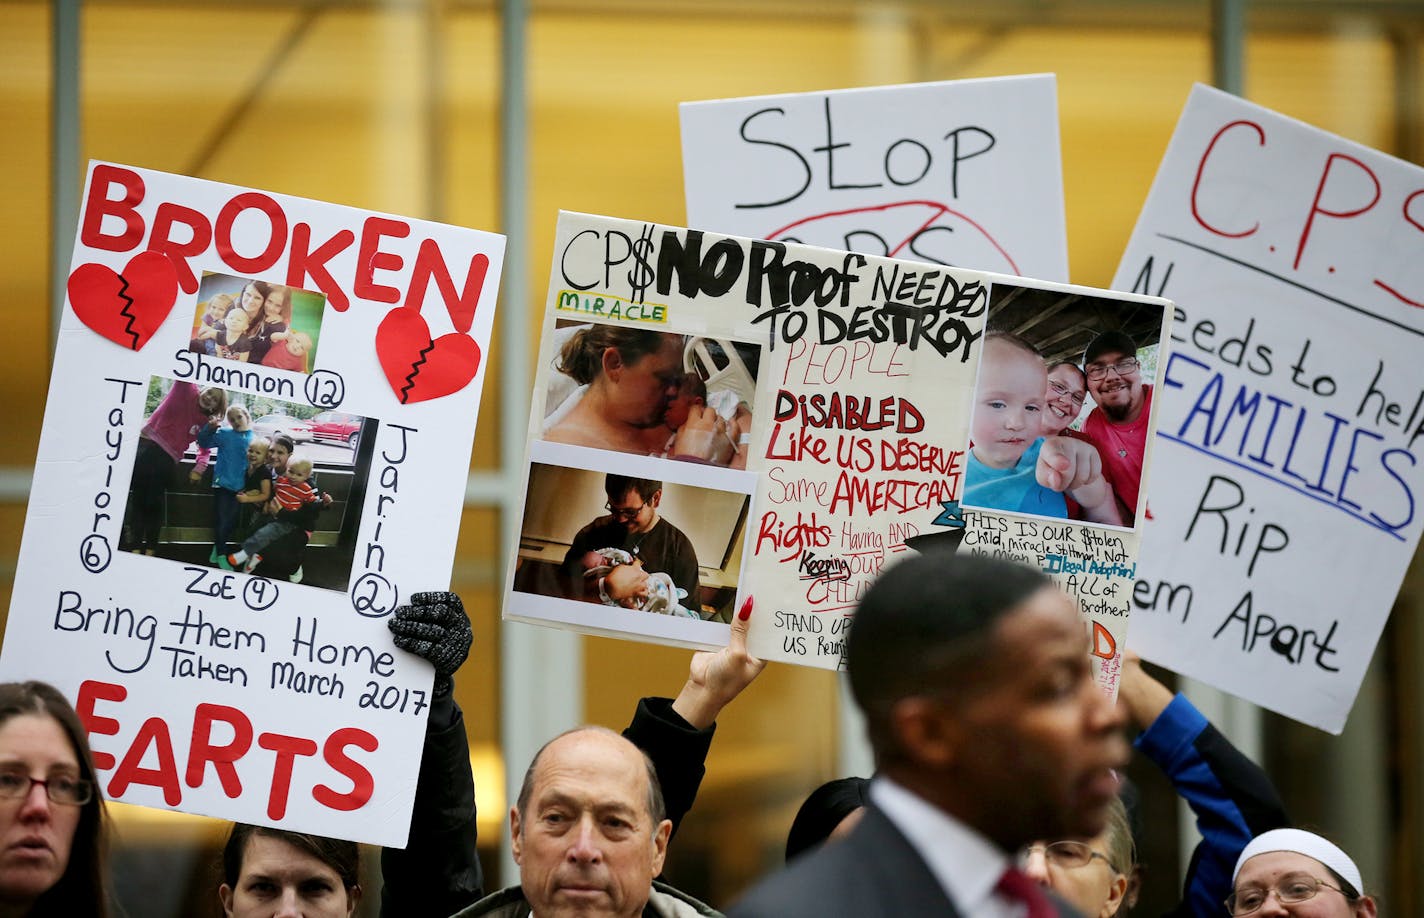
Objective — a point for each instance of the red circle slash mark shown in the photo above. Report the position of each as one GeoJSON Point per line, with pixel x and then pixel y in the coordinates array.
{"type": "Point", "coordinates": [418, 367]}
{"type": "Point", "coordinates": [937, 209]}
{"type": "Point", "coordinates": [127, 307]}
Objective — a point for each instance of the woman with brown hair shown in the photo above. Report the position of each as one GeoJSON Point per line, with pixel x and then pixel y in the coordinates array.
{"type": "Point", "coordinates": [272, 323]}
{"type": "Point", "coordinates": [631, 375]}
{"type": "Point", "coordinates": [51, 809]}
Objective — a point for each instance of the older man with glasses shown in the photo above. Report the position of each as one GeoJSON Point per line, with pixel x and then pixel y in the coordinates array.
{"type": "Point", "coordinates": [634, 525]}
{"type": "Point", "coordinates": [1117, 427]}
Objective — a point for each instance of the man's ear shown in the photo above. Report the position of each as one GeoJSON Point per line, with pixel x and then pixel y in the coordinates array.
{"type": "Point", "coordinates": [661, 834]}
{"type": "Point", "coordinates": [516, 840]}
{"type": "Point", "coordinates": [225, 895]}
{"type": "Point", "coordinates": [612, 363]}
{"type": "Point", "coordinates": [656, 499]}
{"type": "Point", "coordinates": [353, 899]}
{"type": "Point", "coordinates": [925, 732]}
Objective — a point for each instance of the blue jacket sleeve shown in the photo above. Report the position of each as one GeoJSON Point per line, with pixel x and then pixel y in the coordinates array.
{"type": "Point", "coordinates": [1231, 795]}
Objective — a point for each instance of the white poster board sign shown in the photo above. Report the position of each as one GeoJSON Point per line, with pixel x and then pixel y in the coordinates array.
{"type": "Point", "coordinates": [841, 388]}
{"type": "Point", "coordinates": [960, 173]}
{"type": "Point", "coordinates": [1103, 353]}
{"type": "Point", "coordinates": [302, 379]}
{"type": "Point", "coordinates": [1283, 508]}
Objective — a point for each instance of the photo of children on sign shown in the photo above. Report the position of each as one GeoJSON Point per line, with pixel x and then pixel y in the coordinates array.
{"type": "Point", "coordinates": [627, 543]}
{"type": "Point", "coordinates": [1063, 405]}
{"type": "Point", "coordinates": [255, 321]}
{"type": "Point", "coordinates": [653, 393]}
{"type": "Point", "coordinates": [249, 483]}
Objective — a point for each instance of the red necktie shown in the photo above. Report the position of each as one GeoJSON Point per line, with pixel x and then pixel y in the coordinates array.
{"type": "Point", "coordinates": [1016, 885]}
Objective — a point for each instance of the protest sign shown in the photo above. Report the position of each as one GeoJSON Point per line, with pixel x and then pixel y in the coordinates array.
{"type": "Point", "coordinates": [298, 380]}
{"type": "Point", "coordinates": [619, 537]}
{"type": "Point", "coordinates": [1076, 368]}
{"type": "Point", "coordinates": [1283, 510]}
{"type": "Point", "coordinates": [961, 173]}
{"type": "Point", "coordinates": [845, 383]}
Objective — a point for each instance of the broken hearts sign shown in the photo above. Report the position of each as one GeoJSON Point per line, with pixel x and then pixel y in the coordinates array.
{"type": "Point", "coordinates": [257, 435]}
{"type": "Point", "coordinates": [349, 256]}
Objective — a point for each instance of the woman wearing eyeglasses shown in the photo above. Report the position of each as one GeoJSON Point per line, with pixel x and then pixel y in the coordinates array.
{"type": "Point", "coordinates": [1231, 797]}
{"type": "Point", "coordinates": [1091, 875]}
{"type": "Point", "coordinates": [51, 810]}
{"type": "Point", "coordinates": [1292, 872]}
{"type": "Point", "coordinates": [1067, 388]}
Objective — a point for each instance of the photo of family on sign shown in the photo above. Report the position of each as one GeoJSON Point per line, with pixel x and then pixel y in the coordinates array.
{"type": "Point", "coordinates": [631, 543]}
{"type": "Point", "coordinates": [244, 482]}
{"type": "Point", "coordinates": [1063, 406]}
{"type": "Point", "coordinates": [253, 321]}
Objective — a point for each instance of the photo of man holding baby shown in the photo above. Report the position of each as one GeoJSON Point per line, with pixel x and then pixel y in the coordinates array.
{"type": "Point", "coordinates": [638, 544]}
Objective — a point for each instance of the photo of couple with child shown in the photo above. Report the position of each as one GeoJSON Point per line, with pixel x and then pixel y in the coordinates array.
{"type": "Point", "coordinates": [253, 321]}
{"type": "Point", "coordinates": [1062, 407]}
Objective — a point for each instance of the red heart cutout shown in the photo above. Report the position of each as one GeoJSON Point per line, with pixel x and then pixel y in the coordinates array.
{"type": "Point", "coordinates": [126, 308]}
{"type": "Point", "coordinates": [417, 367]}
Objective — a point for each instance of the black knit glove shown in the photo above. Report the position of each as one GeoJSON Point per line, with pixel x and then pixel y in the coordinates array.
{"type": "Point", "coordinates": [434, 626]}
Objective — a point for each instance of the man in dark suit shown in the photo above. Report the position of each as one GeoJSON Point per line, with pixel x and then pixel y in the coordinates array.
{"type": "Point", "coordinates": [989, 732]}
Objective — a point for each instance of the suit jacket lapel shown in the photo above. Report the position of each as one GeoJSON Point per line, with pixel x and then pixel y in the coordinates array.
{"type": "Point", "coordinates": [903, 879]}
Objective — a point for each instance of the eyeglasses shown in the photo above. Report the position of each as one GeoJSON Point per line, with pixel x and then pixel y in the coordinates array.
{"type": "Point", "coordinates": [1124, 367]}
{"type": "Point", "coordinates": [1060, 389]}
{"type": "Point", "coordinates": [1297, 887]}
{"type": "Point", "coordinates": [69, 791]}
{"type": "Point", "coordinates": [622, 514]}
{"type": "Point", "coordinates": [1069, 854]}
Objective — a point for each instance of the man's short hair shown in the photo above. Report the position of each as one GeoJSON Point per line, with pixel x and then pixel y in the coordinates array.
{"type": "Point", "coordinates": [657, 808]}
{"type": "Point", "coordinates": [922, 627]}
{"type": "Point", "coordinates": [615, 486]}
{"type": "Point", "coordinates": [1110, 342]}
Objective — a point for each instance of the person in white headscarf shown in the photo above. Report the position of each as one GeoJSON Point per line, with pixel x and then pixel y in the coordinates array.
{"type": "Point", "coordinates": [1297, 873]}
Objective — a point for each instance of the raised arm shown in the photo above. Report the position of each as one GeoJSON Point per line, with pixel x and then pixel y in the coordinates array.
{"type": "Point", "coordinates": [1232, 797]}
{"type": "Point", "coordinates": [677, 734]}
{"type": "Point", "coordinates": [438, 872]}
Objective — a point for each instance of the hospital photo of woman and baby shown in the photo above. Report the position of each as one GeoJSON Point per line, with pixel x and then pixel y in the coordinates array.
{"type": "Point", "coordinates": [652, 393]}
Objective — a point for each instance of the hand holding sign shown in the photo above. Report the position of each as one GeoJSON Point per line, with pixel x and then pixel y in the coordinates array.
{"type": "Point", "coordinates": [435, 627]}
{"type": "Point", "coordinates": [715, 679]}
